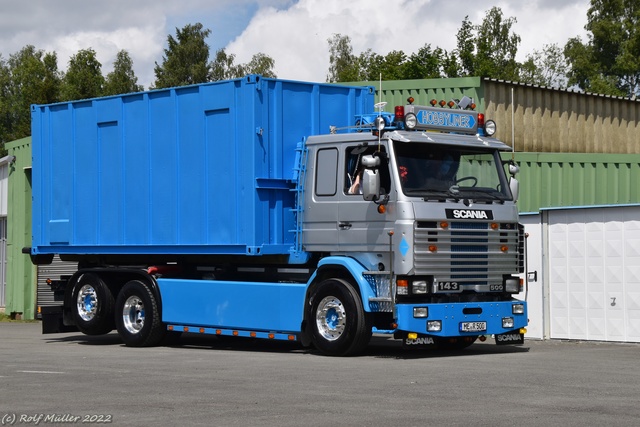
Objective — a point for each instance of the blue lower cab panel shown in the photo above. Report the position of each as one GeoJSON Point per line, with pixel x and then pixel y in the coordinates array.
{"type": "Point", "coordinates": [267, 307]}
{"type": "Point", "coordinates": [472, 315]}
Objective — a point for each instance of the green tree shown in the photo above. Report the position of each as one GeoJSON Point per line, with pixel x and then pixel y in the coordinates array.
{"type": "Point", "coordinates": [427, 63]}
{"type": "Point", "coordinates": [260, 64]}
{"type": "Point", "coordinates": [343, 66]}
{"type": "Point", "coordinates": [5, 115]}
{"type": "Point", "coordinates": [488, 49]}
{"type": "Point", "coordinates": [186, 59]}
{"type": "Point", "coordinates": [30, 76]}
{"type": "Point", "coordinates": [608, 62]}
{"type": "Point", "coordinates": [368, 66]}
{"type": "Point", "coordinates": [546, 67]}
{"type": "Point", "coordinates": [83, 78]}
{"type": "Point", "coordinates": [122, 79]}
{"type": "Point", "coordinates": [224, 67]}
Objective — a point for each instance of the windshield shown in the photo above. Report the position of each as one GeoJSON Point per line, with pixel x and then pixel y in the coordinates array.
{"type": "Point", "coordinates": [445, 172]}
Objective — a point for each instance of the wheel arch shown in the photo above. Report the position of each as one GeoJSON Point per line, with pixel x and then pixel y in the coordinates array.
{"type": "Point", "coordinates": [345, 268]}
{"type": "Point", "coordinates": [335, 267]}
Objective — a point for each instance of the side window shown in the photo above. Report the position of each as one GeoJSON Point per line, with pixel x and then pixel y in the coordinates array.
{"type": "Point", "coordinates": [327, 172]}
{"type": "Point", "coordinates": [353, 169]}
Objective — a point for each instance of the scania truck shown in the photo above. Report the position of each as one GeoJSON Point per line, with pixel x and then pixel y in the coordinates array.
{"type": "Point", "coordinates": [280, 210]}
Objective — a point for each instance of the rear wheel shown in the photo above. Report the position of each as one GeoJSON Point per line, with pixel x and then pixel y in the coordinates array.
{"type": "Point", "coordinates": [93, 305]}
{"type": "Point", "coordinates": [338, 322]}
{"type": "Point", "coordinates": [138, 315]}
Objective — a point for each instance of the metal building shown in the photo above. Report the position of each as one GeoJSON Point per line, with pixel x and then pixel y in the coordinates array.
{"type": "Point", "coordinates": [5, 163]}
{"type": "Point", "coordinates": [579, 158]}
{"type": "Point", "coordinates": [20, 291]}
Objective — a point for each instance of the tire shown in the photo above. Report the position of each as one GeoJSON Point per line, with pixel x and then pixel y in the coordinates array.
{"type": "Point", "coordinates": [339, 325]}
{"type": "Point", "coordinates": [93, 305]}
{"type": "Point", "coordinates": [138, 316]}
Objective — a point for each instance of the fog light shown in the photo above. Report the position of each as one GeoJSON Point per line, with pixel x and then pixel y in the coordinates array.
{"type": "Point", "coordinates": [420, 287]}
{"type": "Point", "coordinates": [434, 326]}
{"type": "Point", "coordinates": [517, 308]}
{"type": "Point", "coordinates": [410, 121]}
{"type": "Point", "coordinates": [507, 322]}
{"type": "Point", "coordinates": [420, 312]}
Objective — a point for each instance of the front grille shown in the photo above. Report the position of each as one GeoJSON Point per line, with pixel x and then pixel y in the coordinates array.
{"type": "Point", "coordinates": [467, 252]}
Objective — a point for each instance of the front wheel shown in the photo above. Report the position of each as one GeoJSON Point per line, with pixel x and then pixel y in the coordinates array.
{"type": "Point", "coordinates": [138, 316]}
{"type": "Point", "coordinates": [339, 324]}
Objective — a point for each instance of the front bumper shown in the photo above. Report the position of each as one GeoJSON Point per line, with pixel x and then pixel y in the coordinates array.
{"type": "Point", "coordinates": [453, 316]}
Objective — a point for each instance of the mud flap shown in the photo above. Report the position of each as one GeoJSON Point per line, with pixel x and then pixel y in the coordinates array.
{"type": "Point", "coordinates": [52, 321]}
{"type": "Point", "coordinates": [510, 338]}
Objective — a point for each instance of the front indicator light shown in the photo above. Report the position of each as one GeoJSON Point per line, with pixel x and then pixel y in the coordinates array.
{"type": "Point", "coordinates": [517, 308]}
{"type": "Point", "coordinates": [507, 322]}
{"type": "Point", "coordinates": [402, 287]}
{"type": "Point", "coordinates": [523, 331]}
{"type": "Point", "coordinates": [420, 312]}
{"type": "Point", "coordinates": [434, 326]}
{"type": "Point", "coordinates": [412, 335]}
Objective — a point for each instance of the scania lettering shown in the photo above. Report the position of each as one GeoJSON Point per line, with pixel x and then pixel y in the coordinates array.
{"type": "Point", "coordinates": [278, 210]}
{"type": "Point", "coordinates": [470, 214]}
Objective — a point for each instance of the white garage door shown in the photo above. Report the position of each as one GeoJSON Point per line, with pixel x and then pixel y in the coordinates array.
{"type": "Point", "coordinates": [594, 273]}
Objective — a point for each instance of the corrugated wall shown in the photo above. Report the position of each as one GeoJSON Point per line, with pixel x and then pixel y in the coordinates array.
{"type": "Point", "coordinates": [20, 294]}
{"type": "Point", "coordinates": [557, 121]}
{"type": "Point", "coordinates": [557, 180]}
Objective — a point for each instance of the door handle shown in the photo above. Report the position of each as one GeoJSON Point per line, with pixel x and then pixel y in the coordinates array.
{"type": "Point", "coordinates": [342, 225]}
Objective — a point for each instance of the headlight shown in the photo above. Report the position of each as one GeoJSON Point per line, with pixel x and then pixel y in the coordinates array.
{"type": "Point", "coordinates": [420, 312]}
{"type": "Point", "coordinates": [434, 326]}
{"type": "Point", "coordinates": [517, 308]}
{"type": "Point", "coordinates": [410, 121]}
{"type": "Point", "coordinates": [490, 127]}
{"type": "Point", "coordinates": [512, 285]}
{"type": "Point", "coordinates": [419, 287]}
{"type": "Point", "coordinates": [507, 322]}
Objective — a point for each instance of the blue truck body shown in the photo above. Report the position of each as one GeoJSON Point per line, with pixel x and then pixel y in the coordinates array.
{"type": "Point", "coordinates": [203, 169]}
{"type": "Point", "coordinates": [275, 209]}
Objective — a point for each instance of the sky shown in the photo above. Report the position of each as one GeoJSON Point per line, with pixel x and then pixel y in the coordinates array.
{"type": "Point", "coordinates": [292, 32]}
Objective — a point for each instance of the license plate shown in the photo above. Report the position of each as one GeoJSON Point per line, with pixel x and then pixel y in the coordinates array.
{"type": "Point", "coordinates": [473, 326]}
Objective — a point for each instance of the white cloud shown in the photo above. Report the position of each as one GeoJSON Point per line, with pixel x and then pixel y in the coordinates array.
{"type": "Point", "coordinates": [297, 37]}
{"type": "Point", "coordinates": [294, 33]}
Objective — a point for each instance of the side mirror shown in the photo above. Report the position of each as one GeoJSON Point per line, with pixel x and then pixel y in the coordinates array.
{"type": "Point", "coordinates": [514, 185]}
{"type": "Point", "coordinates": [370, 184]}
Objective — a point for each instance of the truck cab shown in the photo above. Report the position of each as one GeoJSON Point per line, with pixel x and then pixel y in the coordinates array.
{"type": "Point", "coordinates": [431, 223]}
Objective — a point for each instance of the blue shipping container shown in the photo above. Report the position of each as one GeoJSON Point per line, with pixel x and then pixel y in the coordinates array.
{"type": "Point", "coordinates": [205, 169]}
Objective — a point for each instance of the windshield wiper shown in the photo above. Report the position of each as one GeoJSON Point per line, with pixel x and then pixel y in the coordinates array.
{"type": "Point", "coordinates": [478, 193]}
{"type": "Point", "coordinates": [440, 195]}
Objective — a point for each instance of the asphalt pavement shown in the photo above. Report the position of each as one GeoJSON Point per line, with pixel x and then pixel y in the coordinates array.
{"type": "Point", "coordinates": [75, 379]}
